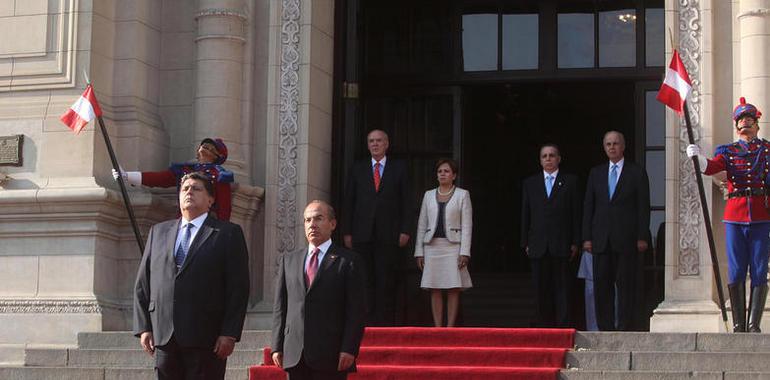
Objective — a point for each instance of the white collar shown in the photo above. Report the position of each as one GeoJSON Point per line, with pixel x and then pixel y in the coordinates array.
{"type": "Point", "coordinates": [619, 163]}
{"type": "Point", "coordinates": [382, 161]}
{"type": "Point", "coordinates": [197, 222]}
{"type": "Point", "coordinates": [554, 174]}
{"type": "Point", "coordinates": [323, 247]}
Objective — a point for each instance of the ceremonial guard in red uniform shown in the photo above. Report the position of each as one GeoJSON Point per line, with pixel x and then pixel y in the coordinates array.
{"type": "Point", "coordinates": [210, 156]}
{"type": "Point", "coordinates": [746, 217]}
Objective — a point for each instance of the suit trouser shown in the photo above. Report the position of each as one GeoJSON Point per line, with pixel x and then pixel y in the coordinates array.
{"type": "Point", "coordinates": [381, 262]}
{"type": "Point", "coordinates": [174, 362]}
{"type": "Point", "coordinates": [301, 371]}
{"type": "Point", "coordinates": [549, 276]}
{"type": "Point", "coordinates": [614, 271]}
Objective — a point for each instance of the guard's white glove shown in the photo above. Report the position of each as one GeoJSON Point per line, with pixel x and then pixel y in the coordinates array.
{"type": "Point", "coordinates": [694, 151]}
{"type": "Point", "coordinates": [131, 178]}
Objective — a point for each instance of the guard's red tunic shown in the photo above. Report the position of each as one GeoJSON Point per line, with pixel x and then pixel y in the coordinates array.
{"type": "Point", "coordinates": [747, 166]}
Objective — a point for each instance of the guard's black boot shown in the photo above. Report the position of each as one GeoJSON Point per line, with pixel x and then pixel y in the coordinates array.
{"type": "Point", "coordinates": [758, 297]}
{"type": "Point", "coordinates": [738, 303]}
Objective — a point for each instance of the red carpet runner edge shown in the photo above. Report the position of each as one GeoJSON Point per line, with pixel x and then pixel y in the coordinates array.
{"type": "Point", "coordinates": [466, 353]}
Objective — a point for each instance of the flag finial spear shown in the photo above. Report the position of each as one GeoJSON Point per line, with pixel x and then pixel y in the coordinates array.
{"type": "Point", "coordinates": [85, 75]}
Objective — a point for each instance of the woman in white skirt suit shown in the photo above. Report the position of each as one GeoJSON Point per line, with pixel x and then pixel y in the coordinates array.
{"type": "Point", "coordinates": [443, 243]}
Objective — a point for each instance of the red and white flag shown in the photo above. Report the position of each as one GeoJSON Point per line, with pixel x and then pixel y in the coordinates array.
{"type": "Point", "coordinates": [83, 111]}
{"type": "Point", "coordinates": [675, 88]}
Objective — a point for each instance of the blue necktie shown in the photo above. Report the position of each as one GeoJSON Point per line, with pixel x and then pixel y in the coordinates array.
{"type": "Point", "coordinates": [181, 252]}
{"type": "Point", "coordinates": [613, 181]}
{"type": "Point", "coordinates": [548, 185]}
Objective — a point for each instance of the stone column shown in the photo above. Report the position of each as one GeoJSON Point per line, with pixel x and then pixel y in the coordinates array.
{"type": "Point", "coordinates": [688, 304]}
{"type": "Point", "coordinates": [754, 37]}
{"type": "Point", "coordinates": [219, 77]}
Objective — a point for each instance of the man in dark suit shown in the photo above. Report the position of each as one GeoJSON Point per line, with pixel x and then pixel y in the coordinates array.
{"type": "Point", "coordinates": [550, 234]}
{"type": "Point", "coordinates": [192, 288]}
{"type": "Point", "coordinates": [378, 218]}
{"type": "Point", "coordinates": [319, 309]}
{"type": "Point", "coordinates": [616, 220]}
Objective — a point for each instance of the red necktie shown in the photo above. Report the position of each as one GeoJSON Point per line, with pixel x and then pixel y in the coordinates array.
{"type": "Point", "coordinates": [377, 176]}
{"type": "Point", "coordinates": [312, 267]}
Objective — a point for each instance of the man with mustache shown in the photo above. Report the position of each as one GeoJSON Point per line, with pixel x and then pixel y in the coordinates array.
{"type": "Point", "coordinates": [746, 216]}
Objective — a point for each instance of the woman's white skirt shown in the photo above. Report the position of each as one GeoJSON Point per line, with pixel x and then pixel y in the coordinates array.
{"type": "Point", "coordinates": [440, 271]}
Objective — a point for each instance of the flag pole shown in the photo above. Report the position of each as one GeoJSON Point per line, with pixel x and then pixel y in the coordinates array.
{"type": "Point", "coordinates": [121, 183]}
{"type": "Point", "coordinates": [706, 218]}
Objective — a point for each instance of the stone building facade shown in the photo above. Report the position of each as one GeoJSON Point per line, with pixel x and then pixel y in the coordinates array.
{"type": "Point", "coordinates": [259, 74]}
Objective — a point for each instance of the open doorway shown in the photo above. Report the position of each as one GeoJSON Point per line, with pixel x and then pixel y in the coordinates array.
{"type": "Point", "coordinates": [503, 128]}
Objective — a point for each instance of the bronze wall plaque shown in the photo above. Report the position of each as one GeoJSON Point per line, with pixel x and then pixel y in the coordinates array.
{"type": "Point", "coordinates": [10, 150]}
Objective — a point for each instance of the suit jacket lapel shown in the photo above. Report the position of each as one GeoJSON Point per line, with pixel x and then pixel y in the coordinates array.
{"type": "Point", "coordinates": [169, 241]}
{"type": "Point", "coordinates": [369, 174]}
{"type": "Point", "coordinates": [604, 180]}
{"type": "Point", "coordinates": [385, 171]}
{"type": "Point", "coordinates": [207, 228]}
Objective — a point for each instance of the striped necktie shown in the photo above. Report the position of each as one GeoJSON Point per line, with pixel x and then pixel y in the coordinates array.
{"type": "Point", "coordinates": [312, 267]}
{"type": "Point", "coordinates": [377, 176]}
{"type": "Point", "coordinates": [613, 181]}
{"type": "Point", "coordinates": [184, 246]}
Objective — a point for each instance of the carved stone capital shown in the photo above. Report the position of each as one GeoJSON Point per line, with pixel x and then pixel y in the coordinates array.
{"type": "Point", "coordinates": [758, 12]}
{"type": "Point", "coordinates": [222, 12]}
{"type": "Point", "coordinates": [33, 306]}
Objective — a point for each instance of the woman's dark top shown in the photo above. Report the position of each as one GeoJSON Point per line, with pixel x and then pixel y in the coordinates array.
{"type": "Point", "coordinates": [440, 233]}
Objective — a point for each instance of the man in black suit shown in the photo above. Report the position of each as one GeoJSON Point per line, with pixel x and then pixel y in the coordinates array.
{"type": "Point", "coordinates": [192, 288]}
{"type": "Point", "coordinates": [616, 220]}
{"type": "Point", "coordinates": [319, 309]}
{"type": "Point", "coordinates": [377, 220]}
{"type": "Point", "coordinates": [550, 234]}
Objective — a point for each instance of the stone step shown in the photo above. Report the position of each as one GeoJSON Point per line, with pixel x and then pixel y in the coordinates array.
{"type": "Point", "coordinates": [250, 340]}
{"type": "Point", "coordinates": [75, 373]}
{"type": "Point", "coordinates": [118, 358]}
{"type": "Point", "coordinates": [661, 375]}
{"type": "Point", "coordinates": [668, 361]}
{"type": "Point", "coordinates": [673, 342]}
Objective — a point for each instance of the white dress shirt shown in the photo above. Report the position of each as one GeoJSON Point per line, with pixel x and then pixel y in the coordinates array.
{"type": "Point", "coordinates": [197, 223]}
{"type": "Point", "coordinates": [322, 248]}
{"type": "Point", "coordinates": [382, 165]}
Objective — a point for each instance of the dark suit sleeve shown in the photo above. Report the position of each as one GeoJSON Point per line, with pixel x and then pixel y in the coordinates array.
{"type": "Point", "coordinates": [142, 321]}
{"type": "Point", "coordinates": [575, 210]}
{"type": "Point", "coordinates": [526, 215]}
{"type": "Point", "coordinates": [355, 306]}
{"type": "Point", "coordinates": [236, 284]}
{"type": "Point", "coordinates": [349, 202]}
{"type": "Point", "coordinates": [643, 192]}
{"type": "Point", "coordinates": [279, 307]}
{"type": "Point", "coordinates": [588, 206]}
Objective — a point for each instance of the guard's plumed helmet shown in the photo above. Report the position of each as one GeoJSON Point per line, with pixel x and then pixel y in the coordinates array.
{"type": "Point", "coordinates": [745, 109]}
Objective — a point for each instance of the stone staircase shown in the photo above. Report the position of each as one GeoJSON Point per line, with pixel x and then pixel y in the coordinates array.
{"type": "Point", "coordinates": [117, 356]}
{"type": "Point", "coordinates": [498, 300]}
{"type": "Point", "coordinates": [597, 355]}
{"type": "Point", "coordinates": [663, 356]}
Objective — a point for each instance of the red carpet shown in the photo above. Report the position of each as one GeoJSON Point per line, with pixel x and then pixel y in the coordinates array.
{"type": "Point", "coordinates": [412, 353]}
